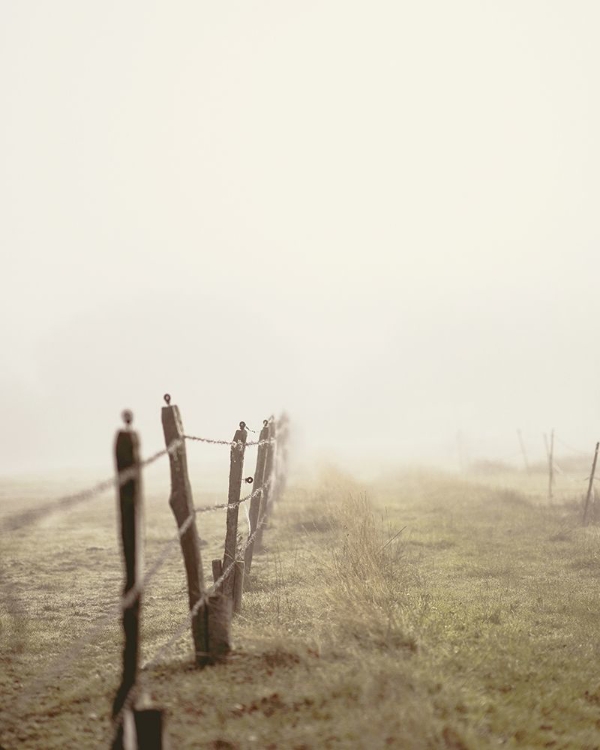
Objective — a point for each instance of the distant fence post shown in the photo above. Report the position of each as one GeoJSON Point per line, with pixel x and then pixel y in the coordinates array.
{"type": "Point", "coordinates": [281, 457]}
{"type": "Point", "coordinates": [127, 462]}
{"type": "Point", "coordinates": [236, 468]}
{"type": "Point", "coordinates": [590, 485]}
{"type": "Point", "coordinates": [550, 452]}
{"type": "Point", "coordinates": [523, 451]}
{"type": "Point", "coordinates": [267, 484]}
{"type": "Point", "coordinates": [257, 490]}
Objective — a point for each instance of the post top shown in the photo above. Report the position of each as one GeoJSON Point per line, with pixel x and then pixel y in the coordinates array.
{"type": "Point", "coordinates": [127, 416]}
{"type": "Point", "coordinates": [242, 425]}
{"type": "Point", "coordinates": [167, 398]}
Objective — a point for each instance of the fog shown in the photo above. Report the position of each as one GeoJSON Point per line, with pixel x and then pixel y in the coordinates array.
{"type": "Point", "coordinates": [381, 217]}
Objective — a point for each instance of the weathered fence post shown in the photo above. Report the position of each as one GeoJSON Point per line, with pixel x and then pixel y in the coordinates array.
{"type": "Point", "coordinates": [212, 614]}
{"type": "Point", "coordinates": [217, 569]}
{"type": "Point", "coordinates": [550, 452]}
{"type": "Point", "coordinates": [281, 458]}
{"type": "Point", "coordinates": [268, 478]}
{"type": "Point", "coordinates": [523, 451]}
{"type": "Point", "coordinates": [590, 485]}
{"type": "Point", "coordinates": [258, 491]}
{"type": "Point", "coordinates": [236, 468]}
{"type": "Point", "coordinates": [127, 462]}
{"type": "Point", "coordinates": [150, 729]}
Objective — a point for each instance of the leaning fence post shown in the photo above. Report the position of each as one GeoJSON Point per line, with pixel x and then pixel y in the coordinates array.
{"type": "Point", "coordinates": [127, 462]}
{"type": "Point", "coordinates": [591, 484]}
{"type": "Point", "coordinates": [182, 505]}
{"type": "Point", "coordinates": [257, 491]}
{"type": "Point", "coordinates": [265, 501]}
{"type": "Point", "coordinates": [236, 468]}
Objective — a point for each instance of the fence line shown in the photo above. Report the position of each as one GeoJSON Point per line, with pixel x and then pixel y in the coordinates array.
{"type": "Point", "coordinates": [572, 448]}
{"type": "Point", "coordinates": [132, 596]}
{"type": "Point", "coordinates": [66, 502]}
{"type": "Point", "coordinates": [59, 666]}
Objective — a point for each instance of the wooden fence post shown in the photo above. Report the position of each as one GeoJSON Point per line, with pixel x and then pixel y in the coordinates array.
{"type": "Point", "coordinates": [268, 478]}
{"type": "Point", "coordinates": [150, 729]}
{"type": "Point", "coordinates": [551, 467]}
{"type": "Point", "coordinates": [127, 462]}
{"type": "Point", "coordinates": [255, 503]}
{"type": "Point", "coordinates": [182, 505]}
{"type": "Point", "coordinates": [281, 458]}
{"type": "Point", "coordinates": [523, 451]}
{"type": "Point", "coordinates": [591, 484]}
{"type": "Point", "coordinates": [236, 468]}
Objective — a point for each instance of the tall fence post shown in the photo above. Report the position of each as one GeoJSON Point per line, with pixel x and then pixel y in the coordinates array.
{"type": "Point", "coordinates": [265, 500]}
{"type": "Point", "coordinates": [127, 462]}
{"type": "Point", "coordinates": [590, 485]}
{"type": "Point", "coordinates": [182, 505]}
{"type": "Point", "coordinates": [236, 468]}
{"type": "Point", "coordinates": [257, 493]}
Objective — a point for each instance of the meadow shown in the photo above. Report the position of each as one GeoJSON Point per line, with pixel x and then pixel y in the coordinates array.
{"type": "Point", "coordinates": [418, 610]}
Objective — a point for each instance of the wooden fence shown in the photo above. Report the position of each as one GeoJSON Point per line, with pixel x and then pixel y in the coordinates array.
{"type": "Point", "coordinates": [135, 725]}
{"type": "Point", "coordinates": [210, 607]}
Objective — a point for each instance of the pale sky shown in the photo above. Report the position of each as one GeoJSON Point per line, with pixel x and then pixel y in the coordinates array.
{"type": "Point", "coordinates": [381, 216]}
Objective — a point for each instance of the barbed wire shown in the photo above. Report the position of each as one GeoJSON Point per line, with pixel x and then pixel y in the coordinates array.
{"type": "Point", "coordinates": [79, 645]}
{"type": "Point", "coordinates": [231, 443]}
{"type": "Point", "coordinates": [571, 448]}
{"type": "Point", "coordinates": [117, 720]}
{"type": "Point", "coordinates": [571, 478]}
{"type": "Point", "coordinates": [66, 502]}
{"type": "Point", "coordinates": [76, 648]}
{"type": "Point", "coordinates": [226, 506]}
{"type": "Point", "coordinates": [27, 517]}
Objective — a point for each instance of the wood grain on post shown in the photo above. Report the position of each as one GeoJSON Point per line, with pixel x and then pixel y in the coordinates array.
{"type": "Point", "coordinates": [182, 505]}
{"type": "Point", "coordinates": [238, 586]}
{"type": "Point", "coordinates": [217, 569]}
{"type": "Point", "coordinates": [218, 624]}
{"type": "Point", "coordinates": [127, 462]}
{"type": "Point", "coordinates": [257, 493]}
{"type": "Point", "coordinates": [236, 468]}
{"type": "Point", "coordinates": [590, 485]}
{"type": "Point", "coordinates": [267, 492]}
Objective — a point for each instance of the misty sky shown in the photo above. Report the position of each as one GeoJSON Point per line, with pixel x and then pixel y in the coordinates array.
{"type": "Point", "coordinates": [382, 216]}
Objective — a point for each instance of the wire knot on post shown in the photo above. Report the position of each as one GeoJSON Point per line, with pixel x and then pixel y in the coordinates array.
{"type": "Point", "coordinates": [167, 398]}
{"type": "Point", "coordinates": [249, 480]}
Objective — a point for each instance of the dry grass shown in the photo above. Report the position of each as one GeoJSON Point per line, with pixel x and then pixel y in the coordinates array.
{"type": "Point", "coordinates": [475, 627]}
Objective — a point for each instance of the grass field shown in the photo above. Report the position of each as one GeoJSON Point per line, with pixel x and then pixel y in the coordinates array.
{"type": "Point", "coordinates": [475, 627]}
